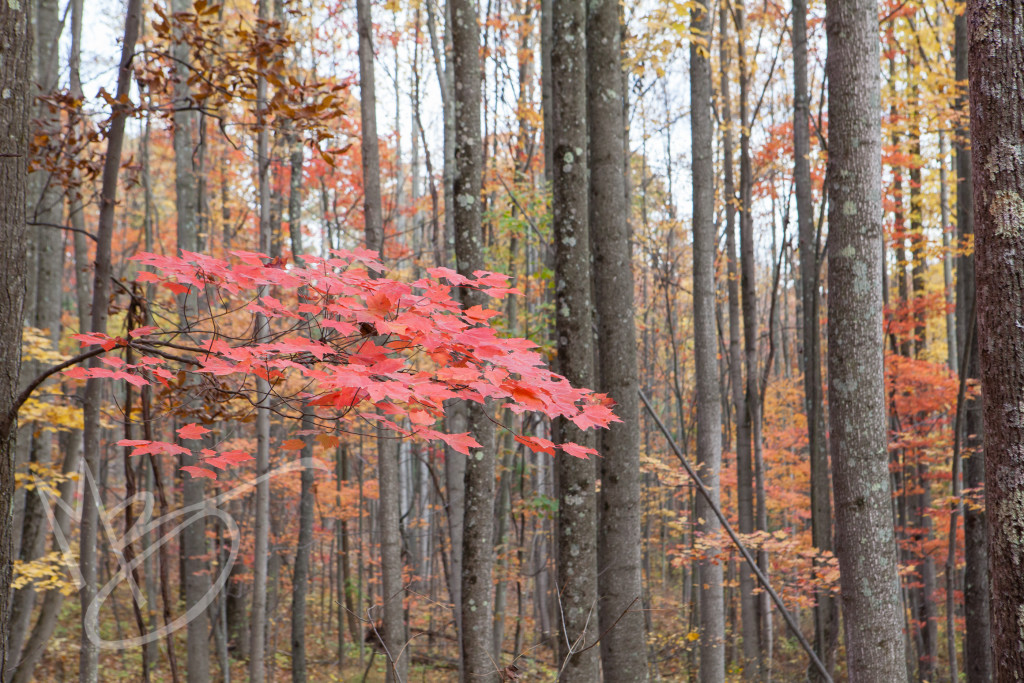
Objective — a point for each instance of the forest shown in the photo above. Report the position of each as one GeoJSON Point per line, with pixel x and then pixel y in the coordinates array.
{"type": "Point", "coordinates": [512, 340]}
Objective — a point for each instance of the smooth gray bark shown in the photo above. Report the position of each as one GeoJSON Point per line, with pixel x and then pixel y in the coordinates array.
{"type": "Point", "coordinates": [478, 517]}
{"type": "Point", "coordinates": [744, 473]}
{"type": "Point", "coordinates": [261, 524]}
{"type": "Point", "coordinates": [864, 533]}
{"type": "Point", "coordinates": [304, 543]}
{"type": "Point", "coordinates": [577, 540]}
{"type": "Point", "coordinates": [392, 628]}
{"type": "Point", "coordinates": [620, 615]}
{"type": "Point", "coordinates": [193, 537]}
{"type": "Point", "coordinates": [705, 341]}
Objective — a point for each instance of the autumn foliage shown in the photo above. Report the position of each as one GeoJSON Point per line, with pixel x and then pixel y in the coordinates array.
{"type": "Point", "coordinates": [363, 350]}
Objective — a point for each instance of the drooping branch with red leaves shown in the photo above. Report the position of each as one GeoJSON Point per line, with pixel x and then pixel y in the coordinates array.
{"type": "Point", "coordinates": [360, 349]}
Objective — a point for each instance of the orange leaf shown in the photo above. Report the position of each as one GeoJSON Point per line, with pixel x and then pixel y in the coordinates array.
{"type": "Point", "coordinates": [537, 444]}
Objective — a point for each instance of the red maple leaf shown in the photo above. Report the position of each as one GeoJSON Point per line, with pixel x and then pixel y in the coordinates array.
{"type": "Point", "coordinates": [192, 431]}
{"type": "Point", "coordinates": [199, 472]}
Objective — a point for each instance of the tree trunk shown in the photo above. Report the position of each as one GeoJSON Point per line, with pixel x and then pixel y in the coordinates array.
{"type": "Point", "coordinates": [43, 299]}
{"type": "Point", "coordinates": [620, 613]}
{"type": "Point", "coordinates": [193, 538]}
{"type": "Point", "coordinates": [478, 516]}
{"type": "Point", "coordinates": [952, 353]}
{"type": "Point", "coordinates": [261, 525]}
{"type": "Point", "coordinates": [996, 65]}
{"type": "Point", "coordinates": [864, 533]}
{"type": "Point", "coordinates": [577, 540]}
{"type": "Point", "coordinates": [389, 512]}
{"type": "Point", "coordinates": [745, 394]}
{"type": "Point", "coordinates": [709, 410]}
{"type": "Point", "coordinates": [88, 560]}
{"type": "Point", "coordinates": [300, 576]}
{"type": "Point", "coordinates": [826, 620]}
{"type": "Point", "coordinates": [16, 47]}
{"type": "Point", "coordinates": [978, 636]}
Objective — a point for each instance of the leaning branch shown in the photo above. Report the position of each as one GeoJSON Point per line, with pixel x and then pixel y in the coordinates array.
{"type": "Point", "coordinates": [739, 544]}
{"type": "Point", "coordinates": [9, 418]}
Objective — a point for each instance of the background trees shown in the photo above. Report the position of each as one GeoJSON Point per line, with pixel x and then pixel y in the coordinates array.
{"type": "Point", "coordinates": [604, 156]}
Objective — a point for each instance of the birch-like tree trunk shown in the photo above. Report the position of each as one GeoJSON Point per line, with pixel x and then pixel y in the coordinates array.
{"type": "Point", "coordinates": [304, 543]}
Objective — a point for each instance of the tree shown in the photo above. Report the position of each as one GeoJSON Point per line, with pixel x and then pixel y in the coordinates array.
{"type": "Point", "coordinates": [825, 616]}
{"type": "Point", "coordinates": [577, 533]}
{"type": "Point", "coordinates": [705, 342]}
{"type": "Point", "coordinates": [186, 201]}
{"type": "Point", "coordinates": [857, 418]}
{"type": "Point", "coordinates": [43, 296]}
{"type": "Point", "coordinates": [478, 516]}
{"type": "Point", "coordinates": [393, 632]}
{"type": "Point", "coordinates": [16, 46]}
{"type": "Point", "coordinates": [307, 499]}
{"type": "Point", "coordinates": [977, 640]}
{"type": "Point", "coordinates": [996, 60]}
{"type": "Point", "coordinates": [261, 525]}
{"type": "Point", "coordinates": [88, 671]}
{"type": "Point", "coordinates": [623, 645]}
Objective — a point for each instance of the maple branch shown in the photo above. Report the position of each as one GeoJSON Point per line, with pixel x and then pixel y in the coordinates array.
{"type": "Point", "coordinates": [58, 226]}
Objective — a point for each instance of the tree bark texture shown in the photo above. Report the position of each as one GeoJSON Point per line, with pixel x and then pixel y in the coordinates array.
{"type": "Point", "coordinates": [996, 67]}
{"type": "Point", "coordinates": [705, 342]}
{"type": "Point", "coordinates": [43, 299]}
{"type": "Point", "coordinates": [620, 615]}
{"type": "Point", "coordinates": [577, 539]}
{"type": "Point", "coordinates": [978, 637]}
{"type": "Point", "coordinates": [864, 531]}
{"type": "Point", "coordinates": [478, 516]}
{"type": "Point", "coordinates": [16, 47]}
